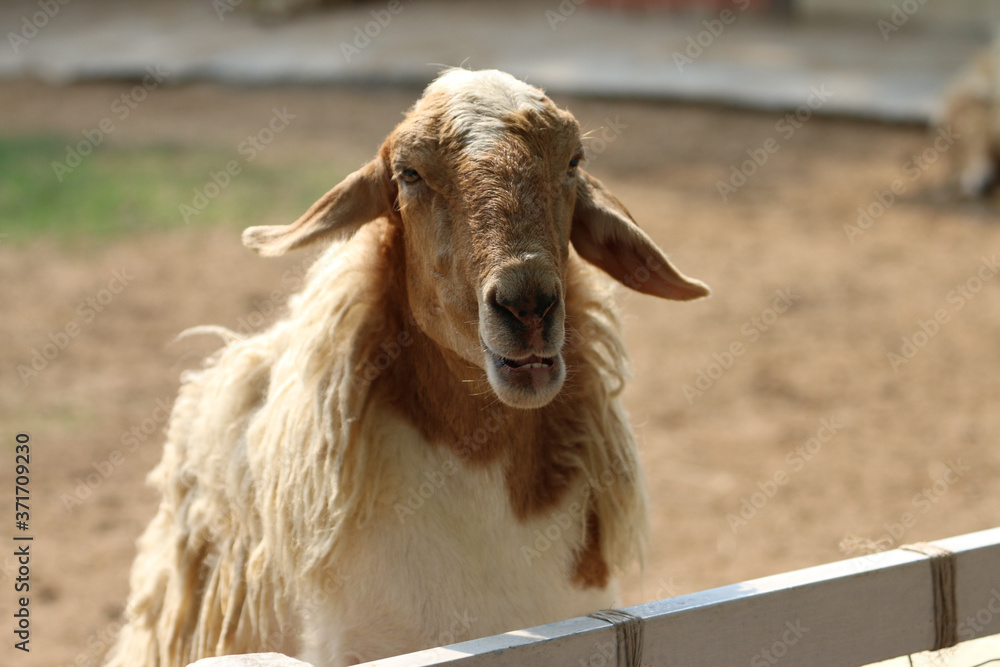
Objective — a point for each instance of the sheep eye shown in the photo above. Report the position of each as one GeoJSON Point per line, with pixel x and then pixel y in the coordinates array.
{"type": "Point", "coordinates": [409, 176]}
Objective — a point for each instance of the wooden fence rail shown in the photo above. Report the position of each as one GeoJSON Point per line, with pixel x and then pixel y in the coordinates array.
{"type": "Point", "coordinates": [844, 614]}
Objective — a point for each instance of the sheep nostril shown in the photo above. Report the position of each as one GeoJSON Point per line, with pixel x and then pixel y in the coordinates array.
{"type": "Point", "coordinates": [531, 310]}
{"type": "Point", "coordinates": [523, 315]}
{"type": "Point", "coordinates": [544, 304]}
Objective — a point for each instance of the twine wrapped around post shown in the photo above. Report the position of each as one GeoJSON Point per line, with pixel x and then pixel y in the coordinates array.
{"type": "Point", "coordinates": [628, 632]}
{"type": "Point", "coordinates": [943, 581]}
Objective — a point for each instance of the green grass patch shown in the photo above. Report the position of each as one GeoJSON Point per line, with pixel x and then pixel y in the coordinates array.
{"type": "Point", "coordinates": [118, 190]}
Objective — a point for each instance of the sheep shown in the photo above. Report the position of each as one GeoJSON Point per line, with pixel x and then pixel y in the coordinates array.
{"type": "Point", "coordinates": [971, 114]}
{"type": "Point", "coordinates": [430, 446]}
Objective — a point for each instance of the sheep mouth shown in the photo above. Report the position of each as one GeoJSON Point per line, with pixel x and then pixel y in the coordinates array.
{"type": "Point", "coordinates": [527, 382]}
{"type": "Point", "coordinates": [531, 362]}
{"type": "Point", "coordinates": [533, 373]}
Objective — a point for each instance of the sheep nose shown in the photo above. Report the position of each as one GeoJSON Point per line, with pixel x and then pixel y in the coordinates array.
{"type": "Point", "coordinates": [529, 309]}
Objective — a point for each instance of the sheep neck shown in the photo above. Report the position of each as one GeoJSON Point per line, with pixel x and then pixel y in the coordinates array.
{"type": "Point", "coordinates": [539, 450]}
{"type": "Point", "coordinates": [476, 426]}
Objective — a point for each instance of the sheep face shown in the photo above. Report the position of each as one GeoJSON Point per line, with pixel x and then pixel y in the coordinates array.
{"type": "Point", "coordinates": [486, 174]}
{"type": "Point", "coordinates": [483, 176]}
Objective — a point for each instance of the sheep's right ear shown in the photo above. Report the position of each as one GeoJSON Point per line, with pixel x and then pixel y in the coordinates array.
{"type": "Point", "coordinates": [605, 235]}
{"type": "Point", "coordinates": [365, 195]}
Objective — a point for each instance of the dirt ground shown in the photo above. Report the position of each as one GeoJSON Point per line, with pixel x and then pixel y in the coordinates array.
{"type": "Point", "coordinates": [840, 387]}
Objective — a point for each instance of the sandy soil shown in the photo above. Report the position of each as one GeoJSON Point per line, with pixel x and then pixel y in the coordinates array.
{"type": "Point", "coordinates": [758, 462]}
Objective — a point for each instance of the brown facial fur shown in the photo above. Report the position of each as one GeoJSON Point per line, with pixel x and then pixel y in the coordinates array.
{"type": "Point", "coordinates": [535, 447]}
{"type": "Point", "coordinates": [591, 571]}
{"type": "Point", "coordinates": [490, 208]}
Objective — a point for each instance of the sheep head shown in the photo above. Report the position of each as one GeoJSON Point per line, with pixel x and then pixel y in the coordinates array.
{"type": "Point", "coordinates": [483, 176]}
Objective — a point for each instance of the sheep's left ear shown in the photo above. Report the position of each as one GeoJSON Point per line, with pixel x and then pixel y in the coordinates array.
{"type": "Point", "coordinates": [605, 235]}
{"type": "Point", "coordinates": [365, 195]}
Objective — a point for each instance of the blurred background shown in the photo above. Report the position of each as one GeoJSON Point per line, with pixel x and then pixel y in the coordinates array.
{"type": "Point", "coordinates": [799, 156]}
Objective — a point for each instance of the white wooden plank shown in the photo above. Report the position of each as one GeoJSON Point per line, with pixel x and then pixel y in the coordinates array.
{"type": "Point", "coordinates": [974, 652]}
{"type": "Point", "coordinates": [565, 642]}
{"type": "Point", "coordinates": [831, 616]}
{"type": "Point", "coordinates": [977, 583]}
{"type": "Point", "coordinates": [844, 614]}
